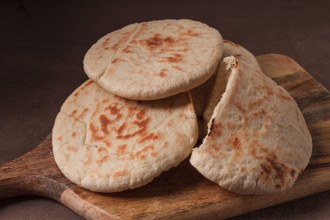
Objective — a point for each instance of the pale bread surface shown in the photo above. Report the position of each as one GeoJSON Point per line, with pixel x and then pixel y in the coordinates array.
{"type": "Point", "coordinates": [219, 84]}
{"type": "Point", "coordinates": [258, 141]}
{"type": "Point", "coordinates": [156, 59]}
{"type": "Point", "coordinates": [106, 143]}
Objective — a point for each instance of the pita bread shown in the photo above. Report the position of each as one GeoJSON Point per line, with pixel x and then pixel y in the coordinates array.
{"type": "Point", "coordinates": [106, 143]}
{"type": "Point", "coordinates": [219, 85]}
{"type": "Point", "coordinates": [156, 59]}
{"type": "Point", "coordinates": [258, 141]}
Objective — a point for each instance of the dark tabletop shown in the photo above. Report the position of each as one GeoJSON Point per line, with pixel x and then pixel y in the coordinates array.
{"type": "Point", "coordinates": [42, 44]}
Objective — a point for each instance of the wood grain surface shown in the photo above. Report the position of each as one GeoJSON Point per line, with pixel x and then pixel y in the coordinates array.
{"type": "Point", "coordinates": [182, 193]}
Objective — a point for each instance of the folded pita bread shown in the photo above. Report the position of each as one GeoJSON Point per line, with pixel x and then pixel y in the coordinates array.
{"type": "Point", "coordinates": [217, 89]}
{"type": "Point", "coordinates": [105, 143]}
{"type": "Point", "coordinates": [258, 141]}
{"type": "Point", "coordinates": [156, 59]}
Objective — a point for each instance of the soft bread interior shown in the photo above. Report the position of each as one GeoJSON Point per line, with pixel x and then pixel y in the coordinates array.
{"type": "Point", "coordinates": [222, 82]}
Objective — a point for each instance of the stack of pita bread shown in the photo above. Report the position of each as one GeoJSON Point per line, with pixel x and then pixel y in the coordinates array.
{"type": "Point", "coordinates": [154, 88]}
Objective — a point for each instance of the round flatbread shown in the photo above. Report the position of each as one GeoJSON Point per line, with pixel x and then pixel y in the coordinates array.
{"type": "Point", "coordinates": [258, 141]}
{"type": "Point", "coordinates": [106, 143]}
{"type": "Point", "coordinates": [215, 92]}
{"type": "Point", "coordinates": [156, 59]}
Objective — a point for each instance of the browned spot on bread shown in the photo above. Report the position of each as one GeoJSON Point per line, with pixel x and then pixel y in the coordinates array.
{"type": "Point", "coordinates": [105, 42]}
{"type": "Point", "coordinates": [104, 121]}
{"type": "Point", "coordinates": [113, 109]}
{"type": "Point", "coordinates": [100, 150]}
{"type": "Point", "coordinates": [192, 33]}
{"type": "Point", "coordinates": [274, 169]}
{"type": "Point", "coordinates": [150, 136]}
{"type": "Point", "coordinates": [107, 143]}
{"type": "Point", "coordinates": [115, 46]}
{"type": "Point", "coordinates": [102, 159]}
{"type": "Point", "coordinates": [76, 94]}
{"type": "Point", "coordinates": [116, 60]}
{"type": "Point", "coordinates": [174, 58]}
{"type": "Point", "coordinates": [162, 73]}
{"type": "Point", "coordinates": [72, 148]}
{"type": "Point", "coordinates": [105, 101]}
{"type": "Point", "coordinates": [73, 113]}
{"type": "Point", "coordinates": [74, 134]}
{"type": "Point", "coordinates": [266, 168]}
{"type": "Point", "coordinates": [141, 114]}
{"type": "Point", "coordinates": [94, 134]}
{"type": "Point", "coordinates": [127, 50]}
{"type": "Point", "coordinates": [132, 111]}
{"type": "Point", "coordinates": [157, 42]}
{"type": "Point", "coordinates": [121, 149]}
{"type": "Point", "coordinates": [154, 41]}
{"type": "Point", "coordinates": [59, 138]}
{"type": "Point", "coordinates": [154, 154]}
{"type": "Point", "coordinates": [234, 143]}
{"type": "Point", "coordinates": [270, 92]}
{"type": "Point", "coordinates": [121, 128]}
{"type": "Point", "coordinates": [82, 114]}
{"type": "Point", "coordinates": [141, 153]}
{"type": "Point", "coordinates": [142, 124]}
{"type": "Point", "coordinates": [119, 173]}
{"type": "Point", "coordinates": [264, 150]}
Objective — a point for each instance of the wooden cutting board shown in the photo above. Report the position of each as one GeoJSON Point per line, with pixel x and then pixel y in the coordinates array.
{"type": "Point", "coordinates": [182, 193]}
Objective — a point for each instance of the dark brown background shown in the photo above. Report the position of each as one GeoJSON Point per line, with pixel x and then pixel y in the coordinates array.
{"type": "Point", "coordinates": [42, 44]}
